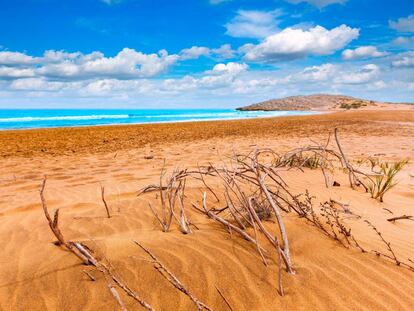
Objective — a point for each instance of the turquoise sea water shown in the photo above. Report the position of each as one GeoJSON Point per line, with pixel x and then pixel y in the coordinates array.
{"type": "Point", "coordinates": [43, 118]}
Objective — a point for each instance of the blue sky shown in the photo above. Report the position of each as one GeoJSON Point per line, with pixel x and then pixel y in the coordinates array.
{"type": "Point", "coordinates": [202, 53]}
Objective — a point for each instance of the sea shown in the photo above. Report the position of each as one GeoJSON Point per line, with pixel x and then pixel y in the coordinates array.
{"type": "Point", "coordinates": [49, 118]}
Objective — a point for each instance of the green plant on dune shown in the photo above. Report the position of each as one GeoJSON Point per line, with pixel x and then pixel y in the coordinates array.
{"type": "Point", "coordinates": [385, 178]}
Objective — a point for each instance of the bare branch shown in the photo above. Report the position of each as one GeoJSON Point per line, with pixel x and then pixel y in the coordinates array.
{"type": "Point", "coordinates": [173, 279]}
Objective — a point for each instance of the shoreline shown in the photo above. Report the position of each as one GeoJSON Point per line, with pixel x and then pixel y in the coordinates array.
{"type": "Point", "coordinates": [301, 113]}
{"type": "Point", "coordinates": [101, 139]}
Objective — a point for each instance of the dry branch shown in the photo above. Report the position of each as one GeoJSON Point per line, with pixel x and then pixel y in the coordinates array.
{"type": "Point", "coordinates": [91, 277]}
{"type": "Point", "coordinates": [388, 244]}
{"type": "Point", "coordinates": [400, 217]}
{"type": "Point", "coordinates": [104, 201]}
{"type": "Point", "coordinates": [115, 294]}
{"type": "Point", "coordinates": [224, 299]}
{"type": "Point", "coordinates": [353, 179]}
{"type": "Point", "coordinates": [173, 279]}
{"type": "Point", "coordinates": [85, 255]}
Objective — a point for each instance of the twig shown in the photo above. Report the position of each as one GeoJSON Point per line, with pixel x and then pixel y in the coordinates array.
{"type": "Point", "coordinates": [344, 206]}
{"type": "Point", "coordinates": [348, 166]}
{"type": "Point", "coordinates": [173, 279]}
{"type": "Point", "coordinates": [224, 298]}
{"type": "Point", "coordinates": [388, 244]}
{"type": "Point", "coordinates": [91, 277]}
{"type": "Point", "coordinates": [400, 217]}
{"type": "Point", "coordinates": [115, 294]}
{"type": "Point", "coordinates": [84, 254]}
{"type": "Point", "coordinates": [104, 201]}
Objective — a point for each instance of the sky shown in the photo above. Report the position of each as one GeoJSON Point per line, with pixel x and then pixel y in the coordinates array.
{"type": "Point", "coordinates": [202, 53]}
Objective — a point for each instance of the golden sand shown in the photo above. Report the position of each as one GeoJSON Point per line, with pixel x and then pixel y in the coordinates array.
{"type": "Point", "coordinates": [37, 275]}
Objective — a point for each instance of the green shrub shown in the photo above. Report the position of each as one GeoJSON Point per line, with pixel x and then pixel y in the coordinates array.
{"type": "Point", "coordinates": [382, 183]}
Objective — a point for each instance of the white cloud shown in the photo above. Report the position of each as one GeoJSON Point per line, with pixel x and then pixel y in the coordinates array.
{"type": "Point", "coordinates": [52, 56]}
{"type": "Point", "coordinates": [194, 52]}
{"type": "Point", "coordinates": [253, 24]}
{"type": "Point", "coordinates": [37, 84]}
{"type": "Point", "coordinates": [362, 52]}
{"type": "Point", "coordinates": [335, 75]}
{"type": "Point", "coordinates": [378, 85]}
{"type": "Point", "coordinates": [78, 79]}
{"type": "Point", "coordinates": [403, 24]}
{"type": "Point", "coordinates": [229, 68]}
{"type": "Point", "coordinates": [403, 40]}
{"type": "Point", "coordinates": [404, 60]}
{"type": "Point", "coordinates": [225, 51]}
{"type": "Point", "coordinates": [320, 73]}
{"type": "Point", "coordinates": [365, 75]}
{"type": "Point", "coordinates": [15, 58]}
{"type": "Point", "coordinates": [318, 3]}
{"type": "Point", "coordinates": [297, 43]}
{"type": "Point", "coordinates": [127, 64]}
{"type": "Point", "coordinates": [15, 72]}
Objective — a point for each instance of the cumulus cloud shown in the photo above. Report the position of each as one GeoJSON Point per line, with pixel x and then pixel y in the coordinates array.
{"type": "Point", "coordinates": [318, 3]}
{"type": "Point", "coordinates": [127, 64]}
{"type": "Point", "coordinates": [59, 66]}
{"type": "Point", "coordinates": [253, 24]}
{"type": "Point", "coordinates": [320, 73]}
{"type": "Point", "coordinates": [362, 52]}
{"type": "Point", "coordinates": [230, 68]}
{"type": "Point", "coordinates": [194, 52]}
{"type": "Point", "coordinates": [365, 75]}
{"type": "Point", "coordinates": [403, 24]}
{"type": "Point", "coordinates": [15, 58]}
{"type": "Point", "coordinates": [404, 60]}
{"type": "Point", "coordinates": [336, 75]}
{"type": "Point", "coordinates": [292, 43]}
{"type": "Point", "coordinates": [130, 75]}
{"type": "Point", "coordinates": [15, 72]}
{"type": "Point", "coordinates": [225, 51]}
{"type": "Point", "coordinates": [37, 84]}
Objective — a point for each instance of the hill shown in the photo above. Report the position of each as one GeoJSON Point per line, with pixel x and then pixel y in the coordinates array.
{"type": "Point", "coordinates": [320, 102]}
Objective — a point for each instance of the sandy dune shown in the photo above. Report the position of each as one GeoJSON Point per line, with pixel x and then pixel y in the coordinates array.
{"type": "Point", "coordinates": [37, 275]}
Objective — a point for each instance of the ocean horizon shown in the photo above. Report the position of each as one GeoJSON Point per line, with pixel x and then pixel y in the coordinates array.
{"type": "Point", "coordinates": [11, 119]}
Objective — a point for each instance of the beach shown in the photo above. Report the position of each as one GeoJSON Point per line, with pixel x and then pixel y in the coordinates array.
{"type": "Point", "coordinates": [35, 274]}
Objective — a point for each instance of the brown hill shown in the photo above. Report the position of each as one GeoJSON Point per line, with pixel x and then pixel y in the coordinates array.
{"type": "Point", "coordinates": [318, 102]}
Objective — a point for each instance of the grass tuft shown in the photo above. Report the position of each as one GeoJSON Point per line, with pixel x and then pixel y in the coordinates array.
{"type": "Point", "coordinates": [385, 181]}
